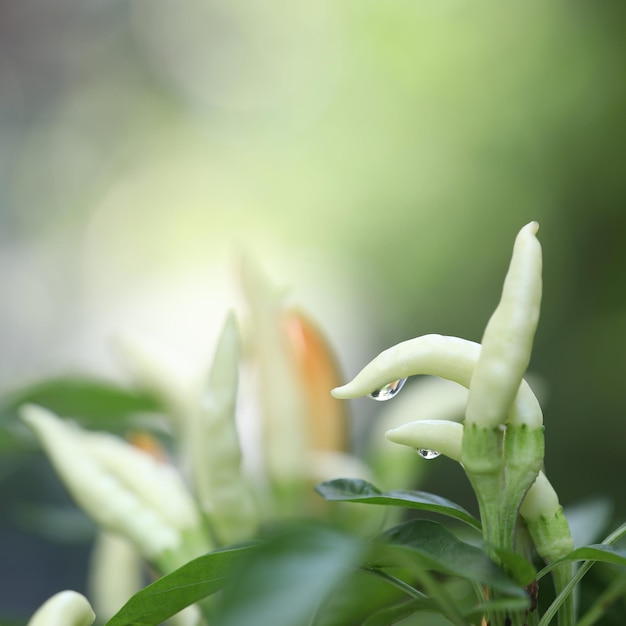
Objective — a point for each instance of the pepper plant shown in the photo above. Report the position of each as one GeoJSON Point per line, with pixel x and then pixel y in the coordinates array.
{"type": "Point", "coordinates": [248, 552]}
{"type": "Point", "coordinates": [500, 441]}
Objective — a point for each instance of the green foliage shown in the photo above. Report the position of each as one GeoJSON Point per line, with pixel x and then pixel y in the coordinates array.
{"type": "Point", "coordinates": [434, 547]}
{"type": "Point", "coordinates": [92, 402]}
{"type": "Point", "coordinates": [305, 574]}
{"type": "Point", "coordinates": [288, 577]}
{"type": "Point", "coordinates": [398, 612]}
{"type": "Point", "coordinates": [300, 572]}
{"type": "Point", "coordinates": [599, 553]}
{"type": "Point", "coordinates": [357, 490]}
{"type": "Point", "coordinates": [191, 583]}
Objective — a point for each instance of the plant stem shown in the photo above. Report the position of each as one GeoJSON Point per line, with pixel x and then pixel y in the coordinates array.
{"type": "Point", "coordinates": [565, 594]}
{"type": "Point", "coordinates": [484, 464]}
{"type": "Point", "coordinates": [562, 575]}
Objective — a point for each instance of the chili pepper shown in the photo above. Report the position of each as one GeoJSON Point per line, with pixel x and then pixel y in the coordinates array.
{"type": "Point", "coordinates": [122, 488]}
{"type": "Point", "coordinates": [66, 608]}
{"type": "Point", "coordinates": [508, 338]}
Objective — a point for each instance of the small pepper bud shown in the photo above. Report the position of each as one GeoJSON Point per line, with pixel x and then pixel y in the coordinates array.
{"type": "Point", "coordinates": [442, 436]}
{"type": "Point", "coordinates": [546, 521]}
{"type": "Point", "coordinates": [66, 608]}
{"type": "Point", "coordinates": [540, 508]}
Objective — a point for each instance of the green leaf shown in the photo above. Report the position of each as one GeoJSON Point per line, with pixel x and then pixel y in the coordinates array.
{"type": "Point", "coordinates": [398, 612]}
{"type": "Point", "coordinates": [90, 401]}
{"type": "Point", "coordinates": [600, 552]}
{"type": "Point", "coordinates": [438, 549]}
{"type": "Point", "coordinates": [60, 523]}
{"type": "Point", "coordinates": [522, 570]}
{"type": "Point", "coordinates": [189, 584]}
{"type": "Point", "coordinates": [357, 490]}
{"type": "Point", "coordinates": [356, 598]}
{"type": "Point", "coordinates": [12, 440]}
{"type": "Point", "coordinates": [287, 579]}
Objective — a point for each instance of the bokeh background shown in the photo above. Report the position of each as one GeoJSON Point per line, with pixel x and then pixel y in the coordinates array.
{"type": "Point", "coordinates": [376, 158]}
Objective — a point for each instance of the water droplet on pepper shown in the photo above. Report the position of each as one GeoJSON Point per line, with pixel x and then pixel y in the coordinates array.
{"type": "Point", "coordinates": [427, 454]}
{"type": "Point", "coordinates": [388, 391]}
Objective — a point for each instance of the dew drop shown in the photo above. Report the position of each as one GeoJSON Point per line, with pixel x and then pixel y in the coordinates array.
{"type": "Point", "coordinates": [427, 454]}
{"type": "Point", "coordinates": [388, 391]}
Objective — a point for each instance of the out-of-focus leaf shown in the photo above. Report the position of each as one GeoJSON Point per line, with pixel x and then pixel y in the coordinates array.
{"type": "Point", "coordinates": [357, 490]}
{"type": "Point", "coordinates": [92, 402]}
{"type": "Point", "coordinates": [520, 569]}
{"type": "Point", "coordinates": [353, 600]}
{"type": "Point", "coordinates": [434, 547]}
{"type": "Point", "coordinates": [398, 612]}
{"type": "Point", "coordinates": [589, 519]}
{"type": "Point", "coordinates": [285, 580]}
{"type": "Point", "coordinates": [11, 441]}
{"type": "Point", "coordinates": [189, 584]}
{"type": "Point", "coordinates": [60, 523]}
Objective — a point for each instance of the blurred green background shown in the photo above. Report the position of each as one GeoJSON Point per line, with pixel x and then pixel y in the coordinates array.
{"type": "Point", "coordinates": [377, 158]}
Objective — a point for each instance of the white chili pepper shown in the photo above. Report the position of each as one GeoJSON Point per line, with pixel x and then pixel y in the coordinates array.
{"type": "Point", "coordinates": [444, 436]}
{"type": "Point", "coordinates": [546, 521]}
{"type": "Point", "coordinates": [397, 467]}
{"type": "Point", "coordinates": [115, 573]}
{"type": "Point", "coordinates": [508, 338]}
{"type": "Point", "coordinates": [438, 355]}
{"type": "Point", "coordinates": [284, 433]}
{"type": "Point", "coordinates": [157, 483]}
{"type": "Point", "coordinates": [500, 443]}
{"type": "Point", "coordinates": [223, 492]}
{"type": "Point", "coordinates": [540, 508]}
{"type": "Point", "coordinates": [121, 487]}
{"type": "Point", "coordinates": [66, 608]}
